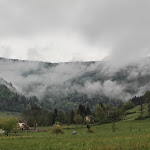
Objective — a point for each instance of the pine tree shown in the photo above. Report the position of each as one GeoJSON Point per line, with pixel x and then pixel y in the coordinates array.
{"type": "Point", "coordinates": [55, 115]}
{"type": "Point", "coordinates": [88, 111]}
{"type": "Point", "coordinates": [72, 117]}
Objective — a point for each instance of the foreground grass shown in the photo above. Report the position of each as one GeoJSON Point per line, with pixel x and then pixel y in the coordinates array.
{"type": "Point", "coordinates": [129, 135]}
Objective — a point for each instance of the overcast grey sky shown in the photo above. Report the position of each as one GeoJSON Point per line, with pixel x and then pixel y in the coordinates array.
{"type": "Point", "coordinates": [75, 30]}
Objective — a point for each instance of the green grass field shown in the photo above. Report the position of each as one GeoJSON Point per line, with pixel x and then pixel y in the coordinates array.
{"type": "Point", "coordinates": [136, 112]}
{"type": "Point", "coordinates": [129, 135]}
{"type": "Point", "coordinates": [6, 114]}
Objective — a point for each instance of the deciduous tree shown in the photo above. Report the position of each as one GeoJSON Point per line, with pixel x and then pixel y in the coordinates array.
{"type": "Point", "coordinates": [9, 125]}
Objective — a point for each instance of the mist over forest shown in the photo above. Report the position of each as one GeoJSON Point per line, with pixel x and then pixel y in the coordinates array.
{"type": "Point", "coordinates": [76, 82]}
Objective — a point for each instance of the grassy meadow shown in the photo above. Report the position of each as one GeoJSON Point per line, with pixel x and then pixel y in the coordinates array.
{"type": "Point", "coordinates": [7, 114]}
{"type": "Point", "coordinates": [135, 112]}
{"type": "Point", "coordinates": [129, 135]}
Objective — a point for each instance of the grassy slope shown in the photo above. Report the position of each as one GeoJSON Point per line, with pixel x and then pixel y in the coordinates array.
{"type": "Point", "coordinates": [6, 114]}
{"type": "Point", "coordinates": [102, 139]}
{"type": "Point", "coordinates": [137, 112]}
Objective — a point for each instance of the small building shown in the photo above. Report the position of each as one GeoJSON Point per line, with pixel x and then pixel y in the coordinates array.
{"type": "Point", "coordinates": [2, 131]}
{"type": "Point", "coordinates": [23, 125]}
{"type": "Point", "coordinates": [89, 119]}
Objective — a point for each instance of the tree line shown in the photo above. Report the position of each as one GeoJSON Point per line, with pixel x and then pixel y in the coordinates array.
{"type": "Point", "coordinates": [102, 113]}
{"type": "Point", "coordinates": [14, 102]}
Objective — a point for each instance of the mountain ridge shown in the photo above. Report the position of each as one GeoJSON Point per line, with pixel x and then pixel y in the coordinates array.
{"type": "Point", "coordinates": [65, 85]}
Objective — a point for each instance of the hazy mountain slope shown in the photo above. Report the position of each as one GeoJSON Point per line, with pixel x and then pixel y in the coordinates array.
{"type": "Point", "coordinates": [8, 85]}
{"type": "Point", "coordinates": [10, 100]}
{"type": "Point", "coordinates": [67, 84]}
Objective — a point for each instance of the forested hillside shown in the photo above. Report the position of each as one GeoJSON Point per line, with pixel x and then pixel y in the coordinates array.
{"type": "Point", "coordinates": [11, 101]}
{"type": "Point", "coordinates": [66, 85]}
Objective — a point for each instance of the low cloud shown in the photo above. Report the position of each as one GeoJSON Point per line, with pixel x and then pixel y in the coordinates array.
{"type": "Point", "coordinates": [91, 79]}
{"type": "Point", "coordinates": [76, 30]}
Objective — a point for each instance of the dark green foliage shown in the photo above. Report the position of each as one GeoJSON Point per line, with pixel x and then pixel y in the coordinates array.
{"type": "Point", "coordinates": [72, 117]}
{"type": "Point", "coordinates": [11, 101]}
{"type": "Point", "coordinates": [138, 100]}
{"type": "Point", "coordinates": [147, 96]}
{"type": "Point", "coordinates": [116, 115]}
{"type": "Point", "coordinates": [46, 104]}
{"type": "Point", "coordinates": [90, 131]}
{"type": "Point", "coordinates": [88, 126]}
{"type": "Point", "coordinates": [88, 111]}
{"type": "Point", "coordinates": [128, 105]}
{"type": "Point", "coordinates": [77, 119]}
{"type": "Point", "coordinates": [100, 114]}
{"type": "Point", "coordinates": [57, 129]}
{"type": "Point", "coordinates": [9, 125]}
{"type": "Point", "coordinates": [147, 99]}
{"type": "Point", "coordinates": [81, 110]}
{"type": "Point", "coordinates": [33, 116]}
{"type": "Point", "coordinates": [38, 116]}
{"type": "Point", "coordinates": [61, 117]}
{"type": "Point", "coordinates": [55, 116]}
{"type": "Point", "coordinates": [45, 118]}
{"type": "Point", "coordinates": [149, 108]}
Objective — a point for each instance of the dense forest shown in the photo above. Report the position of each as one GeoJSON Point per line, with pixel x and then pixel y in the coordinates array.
{"type": "Point", "coordinates": [101, 114]}
{"type": "Point", "coordinates": [42, 113]}
{"type": "Point", "coordinates": [37, 112]}
{"type": "Point", "coordinates": [11, 101]}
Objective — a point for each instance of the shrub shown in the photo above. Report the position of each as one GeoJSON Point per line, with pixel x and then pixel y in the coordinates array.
{"type": "Point", "coordinates": [88, 127]}
{"type": "Point", "coordinates": [90, 131]}
{"type": "Point", "coordinates": [57, 130]}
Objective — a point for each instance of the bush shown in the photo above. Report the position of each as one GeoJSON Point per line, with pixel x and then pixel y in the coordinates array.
{"type": "Point", "coordinates": [90, 131]}
{"type": "Point", "coordinates": [57, 130]}
{"type": "Point", "coordinates": [88, 127]}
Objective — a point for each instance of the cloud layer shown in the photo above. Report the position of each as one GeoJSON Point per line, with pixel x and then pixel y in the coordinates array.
{"type": "Point", "coordinates": [69, 30]}
{"type": "Point", "coordinates": [94, 78]}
